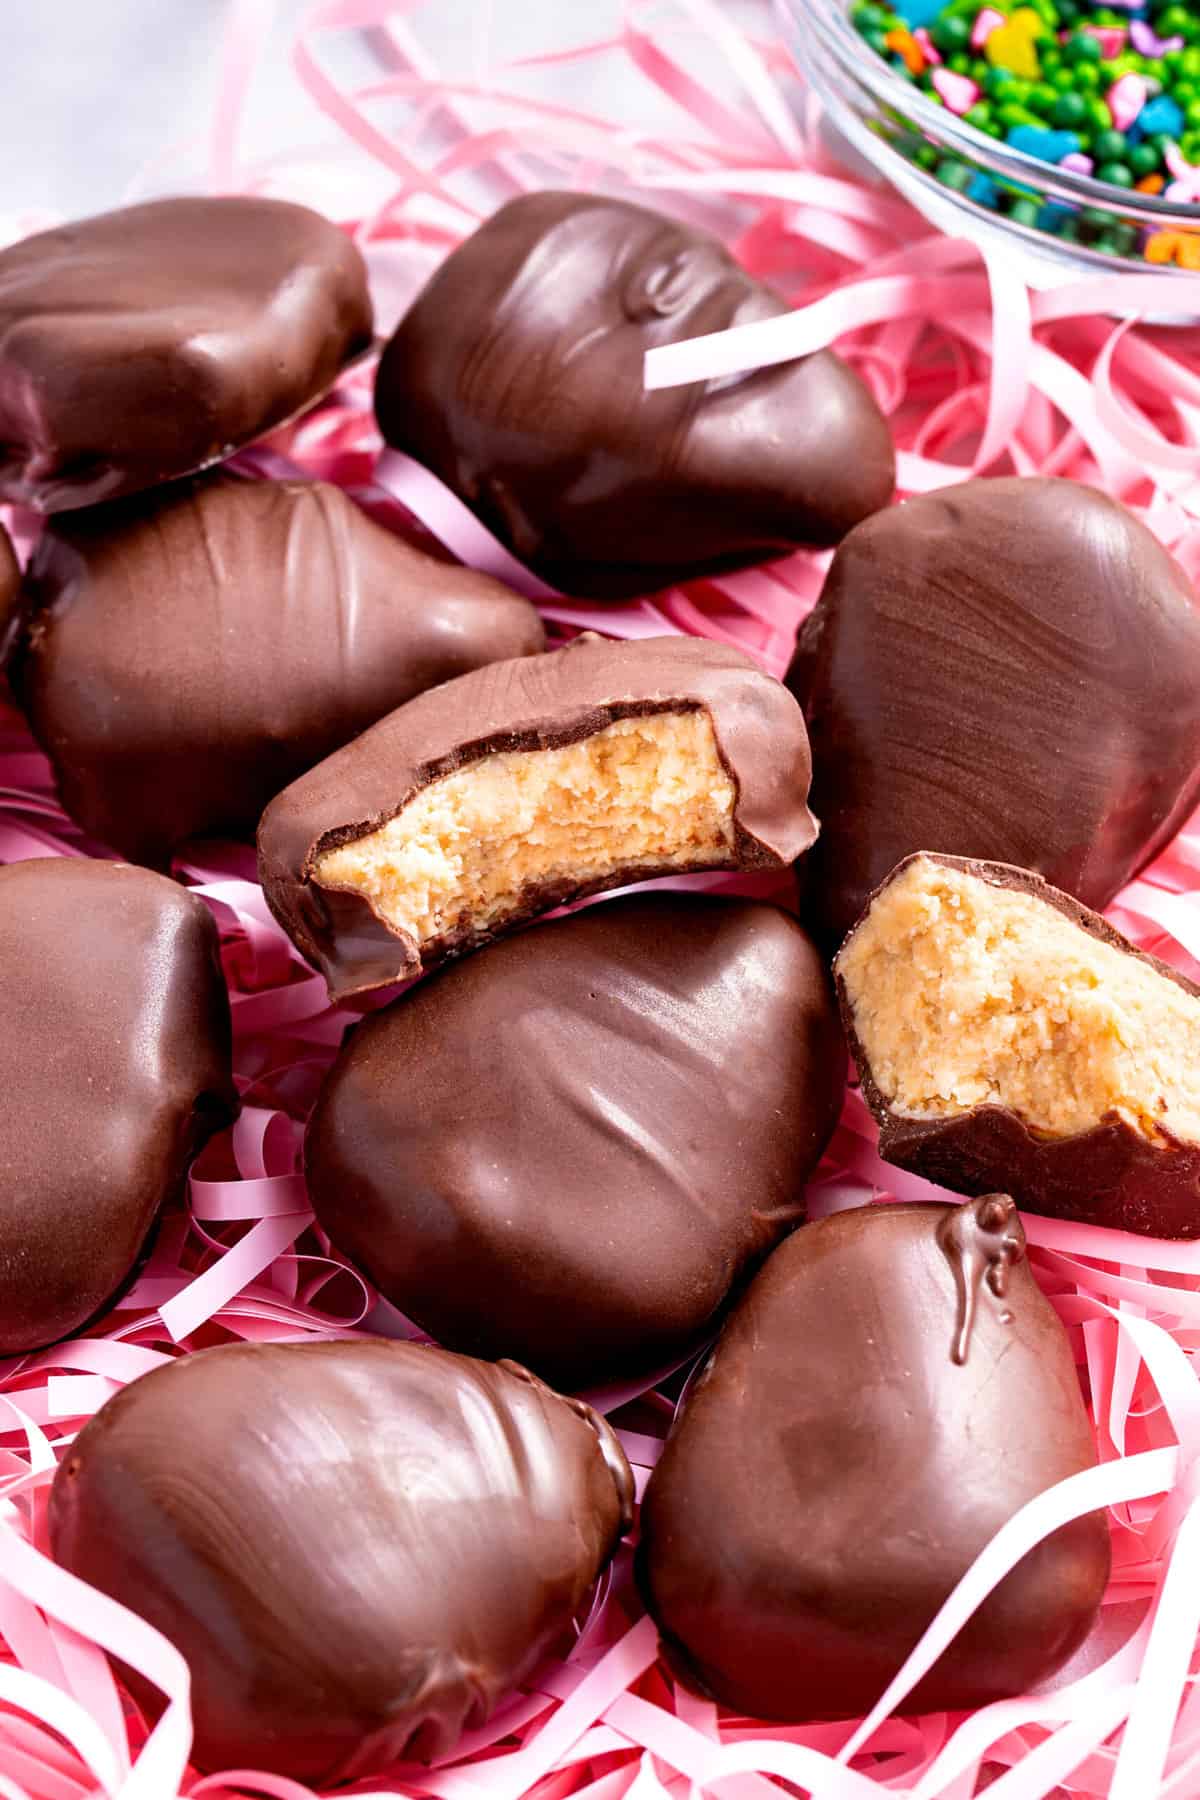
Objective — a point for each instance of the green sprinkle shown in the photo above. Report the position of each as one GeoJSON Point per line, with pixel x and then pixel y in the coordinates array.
{"type": "Point", "coordinates": [1081, 47]}
{"type": "Point", "coordinates": [952, 173]}
{"type": "Point", "coordinates": [1069, 110]}
{"type": "Point", "coordinates": [1110, 146]}
{"type": "Point", "coordinates": [1144, 159]}
{"type": "Point", "coordinates": [950, 34]}
{"type": "Point", "coordinates": [1117, 174]}
{"type": "Point", "coordinates": [1024, 211]}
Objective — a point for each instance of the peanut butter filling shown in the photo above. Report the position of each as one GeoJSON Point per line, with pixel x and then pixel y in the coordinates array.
{"type": "Point", "coordinates": [966, 995]}
{"type": "Point", "coordinates": [647, 793]}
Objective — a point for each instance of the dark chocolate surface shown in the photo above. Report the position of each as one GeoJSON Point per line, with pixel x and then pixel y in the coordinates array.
{"type": "Point", "coordinates": [569, 1148]}
{"type": "Point", "coordinates": [114, 1064]}
{"type": "Point", "coordinates": [835, 1472]}
{"type": "Point", "coordinates": [1005, 669]}
{"type": "Point", "coordinates": [1110, 1175]}
{"type": "Point", "coordinates": [359, 1547]}
{"type": "Point", "coordinates": [517, 376]}
{"type": "Point", "coordinates": [535, 703]}
{"type": "Point", "coordinates": [141, 344]}
{"type": "Point", "coordinates": [185, 655]}
{"type": "Point", "coordinates": [10, 582]}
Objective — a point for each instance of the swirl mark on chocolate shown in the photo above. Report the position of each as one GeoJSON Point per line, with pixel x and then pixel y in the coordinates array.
{"type": "Point", "coordinates": [981, 1240]}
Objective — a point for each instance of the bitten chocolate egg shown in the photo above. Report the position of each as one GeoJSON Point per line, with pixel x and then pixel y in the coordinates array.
{"type": "Point", "coordinates": [891, 1390]}
{"type": "Point", "coordinates": [142, 344]}
{"type": "Point", "coordinates": [184, 655]}
{"type": "Point", "coordinates": [358, 1547]}
{"type": "Point", "coordinates": [1001, 1029]}
{"type": "Point", "coordinates": [569, 1148]}
{"type": "Point", "coordinates": [1006, 669]}
{"type": "Point", "coordinates": [114, 1065]}
{"type": "Point", "coordinates": [517, 377]}
{"type": "Point", "coordinates": [527, 784]}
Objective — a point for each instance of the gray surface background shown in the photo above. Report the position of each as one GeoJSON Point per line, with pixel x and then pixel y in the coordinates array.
{"type": "Point", "coordinates": [96, 90]}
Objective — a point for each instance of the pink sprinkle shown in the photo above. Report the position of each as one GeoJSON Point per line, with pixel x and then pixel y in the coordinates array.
{"type": "Point", "coordinates": [1147, 42]}
{"type": "Point", "coordinates": [986, 22]}
{"type": "Point", "coordinates": [958, 91]}
{"type": "Point", "coordinates": [1126, 99]}
{"type": "Point", "coordinates": [1078, 163]}
{"type": "Point", "coordinates": [1111, 38]}
{"type": "Point", "coordinates": [1186, 186]}
{"type": "Point", "coordinates": [929, 49]}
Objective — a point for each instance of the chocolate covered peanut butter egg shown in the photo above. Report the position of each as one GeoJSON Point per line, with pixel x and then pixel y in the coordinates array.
{"type": "Point", "coordinates": [1003, 1031]}
{"type": "Point", "coordinates": [891, 1390]}
{"type": "Point", "coordinates": [517, 377]}
{"type": "Point", "coordinates": [1005, 669]}
{"type": "Point", "coordinates": [115, 1067]}
{"type": "Point", "coordinates": [184, 655]}
{"type": "Point", "coordinates": [570, 1147]}
{"type": "Point", "coordinates": [144, 343]}
{"type": "Point", "coordinates": [359, 1547]}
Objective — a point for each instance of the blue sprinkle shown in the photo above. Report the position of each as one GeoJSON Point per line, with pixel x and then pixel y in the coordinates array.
{"type": "Point", "coordinates": [1052, 216]}
{"type": "Point", "coordinates": [983, 190]}
{"type": "Point", "coordinates": [1049, 146]}
{"type": "Point", "coordinates": [916, 13]}
{"type": "Point", "coordinates": [1161, 114]}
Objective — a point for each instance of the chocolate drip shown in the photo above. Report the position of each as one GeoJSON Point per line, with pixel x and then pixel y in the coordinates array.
{"type": "Point", "coordinates": [981, 1240]}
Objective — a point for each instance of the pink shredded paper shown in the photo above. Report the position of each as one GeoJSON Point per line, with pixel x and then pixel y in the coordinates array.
{"type": "Point", "coordinates": [975, 374]}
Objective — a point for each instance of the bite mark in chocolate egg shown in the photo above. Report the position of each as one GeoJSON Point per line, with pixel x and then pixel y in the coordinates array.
{"type": "Point", "coordinates": [527, 784]}
{"type": "Point", "coordinates": [1006, 1035]}
{"type": "Point", "coordinates": [647, 793]}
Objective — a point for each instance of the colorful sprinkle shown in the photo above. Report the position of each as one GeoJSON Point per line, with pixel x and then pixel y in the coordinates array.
{"type": "Point", "coordinates": [1013, 45]}
{"type": "Point", "coordinates": [986, 22]}
{"type": "Point", "coordinates": [1147, 43]}
{"type": "Point", "coordinates": [958, 91]}
{"type": "Point", "coordinates": [903, 44]}
{"type": "Point", "coordinates": [1125, 99]}
{"type": "Point", "coordinates": [1107, 90]}
{"type": "Point", "coordinates": [1179, 247]}
{"type": "Point", "coordinates": [1048, 146]}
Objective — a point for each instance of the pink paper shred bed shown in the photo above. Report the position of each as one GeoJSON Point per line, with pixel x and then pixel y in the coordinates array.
{"type": "Point", "coordinates": [975, 374]}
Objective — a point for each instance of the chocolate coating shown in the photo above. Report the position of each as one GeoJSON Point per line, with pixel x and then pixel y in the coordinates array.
{"type": "Point", "coordinates": [142, 344]}
{"type": "Point", "coordinates": [1006, 669]}
{"type": "Point", "coordinates": [359, 1547]}
{"type": "Point", "coordinates": [1110, 1175]}
{"type": "Point", "coordinates": [517, 376]}
{"type": "Point", "coordinates": [535, 703]}
{"type": "Point", "coordinates": [10, 582]}
{"type": "Point", "coordinates": [185, 655]}
{"type": "Point", "coordinates": [114, 1064]}
{"type": "Point", "coordinates": [835, 1472]}
{"type": "Point", "coordinates": [570, 1148]}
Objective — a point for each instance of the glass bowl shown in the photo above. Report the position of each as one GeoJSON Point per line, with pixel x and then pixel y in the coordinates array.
{"type": "Point", "coordinates": [933, 158]}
